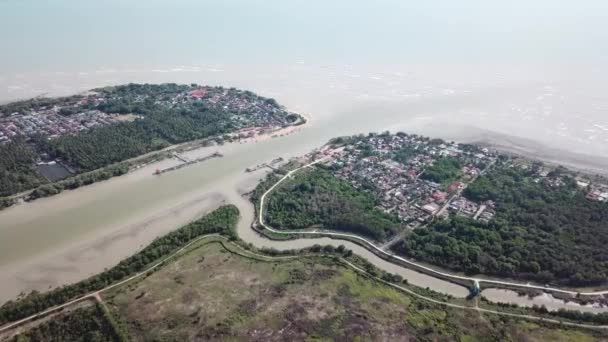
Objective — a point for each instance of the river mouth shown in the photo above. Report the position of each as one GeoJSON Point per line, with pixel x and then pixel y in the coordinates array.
{"type": "Point", "coordinates": [66, 238]}
{"type": "Point", "coordinates": [225, 181]}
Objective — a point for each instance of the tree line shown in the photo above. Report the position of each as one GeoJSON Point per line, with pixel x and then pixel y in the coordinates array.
{"type": "Point", "coordinates": [17, 171]}
{"type": "Point", "coordinates": [444, 169]}
{"type": "Point", "coordinates": [78, 181]}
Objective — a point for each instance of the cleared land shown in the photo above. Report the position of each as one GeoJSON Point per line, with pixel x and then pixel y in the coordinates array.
{"type": "Point", "coordinates": [215, 293]}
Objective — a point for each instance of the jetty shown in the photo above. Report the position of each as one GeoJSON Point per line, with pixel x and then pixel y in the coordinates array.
{"type": "Point", "coordinates": [187, 162]}
{"type": "Point", "coordinates": [271, 165]}
{"type": "Point", "coordinates": [180, 157]}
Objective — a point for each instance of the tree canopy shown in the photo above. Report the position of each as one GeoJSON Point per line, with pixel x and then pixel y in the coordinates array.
{"type": "Point", "coordinates": [319, 198]}
{"type": "Point", "coordinates": [542, 232]}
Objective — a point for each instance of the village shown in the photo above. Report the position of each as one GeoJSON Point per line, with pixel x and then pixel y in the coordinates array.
{"type": "Point", "coordinates": [50, 123]}
{"type": "Point", "coordinates": [249, 114]}
{"type": "Point", "coordinates": [595, 191]}
{"type": "Point", "coordinates": [395, 169]}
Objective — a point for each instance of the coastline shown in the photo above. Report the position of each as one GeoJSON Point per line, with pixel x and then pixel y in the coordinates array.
{"type": "Point", "coordinates": [280, 132]}
{"type": "Point", "coordinates": [576, 161]}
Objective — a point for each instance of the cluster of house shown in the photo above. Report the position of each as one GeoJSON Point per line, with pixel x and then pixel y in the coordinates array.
{"type": "Point", "coordinates": [49, 122]}
{"type": "Point", "coordinates": [482, 212]}
{"type": "Point", "coordinates": [598, 194]}
{"type": "Point", "coordinates": [399, 185]}
{"type": "Point", "coordinates": [249, 110]}
{"type": "Point", "coordinates": [542, 175]}
{"type": "Point", "coordinates": [595, 191]}
{"type": "Point", "coordinates": [53, 121]}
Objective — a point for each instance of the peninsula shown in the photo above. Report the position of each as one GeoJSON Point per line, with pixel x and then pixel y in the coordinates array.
{"type": "Point", "coordinates": [51, 144]}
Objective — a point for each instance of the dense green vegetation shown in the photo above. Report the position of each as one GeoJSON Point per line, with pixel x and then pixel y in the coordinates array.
{"type": "Point", "coordinates": [6, 202]}
{"type": "Point", "coordinates": [161, 128]}
{"type": "Point", "coordinates": [78, 181]}
{"type": "Point", "coordinates": [87, 324]}
{"type": "Point", "coordinates": [540, 232]}
{"type": "Point", "coordinates": [161, 121]}
{"type": "Point", "coordinates": [17, 171]}
{"type": "Point", "coordinates": [222, 220]}
{"type": "Point", "coordinates": [319, 198]}
{"type": "Point", "coordinates": [444, 170]}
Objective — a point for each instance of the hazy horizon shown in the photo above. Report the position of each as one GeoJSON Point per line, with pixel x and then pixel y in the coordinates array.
{"type": "Point", "coordinates": [534, 70]}
{"type": "Point", "coordinates": [68, 34]}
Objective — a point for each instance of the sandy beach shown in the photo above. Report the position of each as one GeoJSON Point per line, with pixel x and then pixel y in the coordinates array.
{"type": "Point", "coordinates": [281, 132]}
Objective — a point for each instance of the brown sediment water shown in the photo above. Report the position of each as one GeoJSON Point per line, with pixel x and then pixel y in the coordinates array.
{"type": "Point", "coordinates": [66, 238]}
{"type": "Point", "coordinates": [418, 87]}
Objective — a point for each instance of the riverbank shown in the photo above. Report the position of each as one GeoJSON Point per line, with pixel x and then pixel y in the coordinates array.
{"type": "Point", "coordinates": [302, 123]}
{"type": "Point", "coordinates": [97, 231]}
{"type": "Point", "coordinates": [189, 254]}
{"type": "Point", "coordinates": [56, 232]}
{"type": "Point", "coordinates": [135, 163]}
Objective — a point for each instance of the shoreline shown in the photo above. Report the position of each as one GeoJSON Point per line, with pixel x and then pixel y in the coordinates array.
{"type": "Point", "coordinates": [520, 147]}
{"type": "Point", "coordinates": [579, 166]}
{"type": "Point", "coordinates": [65, 265]}
{"type": "Point", "coordinates": [280, 132]}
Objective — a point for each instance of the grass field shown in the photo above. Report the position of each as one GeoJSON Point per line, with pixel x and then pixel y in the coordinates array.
{"type": "Point", "coordinates": [213, 293]}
